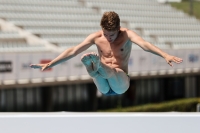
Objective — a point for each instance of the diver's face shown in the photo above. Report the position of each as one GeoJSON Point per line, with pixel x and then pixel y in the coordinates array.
{"type": "Point", "coordinates": [110, 35]}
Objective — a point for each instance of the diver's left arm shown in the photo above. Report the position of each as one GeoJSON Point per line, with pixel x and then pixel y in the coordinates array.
{"type": "Point", "coordinates": [146, 46]}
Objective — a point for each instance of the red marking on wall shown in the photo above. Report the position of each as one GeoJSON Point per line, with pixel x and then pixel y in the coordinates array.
{"type": "Point", "coordinates": [44, 62]}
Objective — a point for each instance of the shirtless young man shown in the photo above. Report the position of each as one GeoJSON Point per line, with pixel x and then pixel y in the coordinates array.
{"type": "Point", "coordinates": [109, 68]}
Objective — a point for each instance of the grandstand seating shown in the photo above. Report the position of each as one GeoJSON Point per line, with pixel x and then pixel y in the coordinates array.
{"type": "Point", "coordinates": [11, 37]}
{"type": "Point", "coordinates": [67, 23]}
{"type": "Point", "coordinates": [162, 21]}
{"type": "Point", "coordinates": [11, 41]}
{"type": "Point", "coordinates": [21, 48]}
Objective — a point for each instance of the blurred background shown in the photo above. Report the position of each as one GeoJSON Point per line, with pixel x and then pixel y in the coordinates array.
{"type": "Point", "coordinates": [36, 31]}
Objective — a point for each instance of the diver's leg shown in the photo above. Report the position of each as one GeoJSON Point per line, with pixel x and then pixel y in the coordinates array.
{"type": "Point", "coordinates": [117, 79]}
{"type": "Point", "coordinates": [100, 82]}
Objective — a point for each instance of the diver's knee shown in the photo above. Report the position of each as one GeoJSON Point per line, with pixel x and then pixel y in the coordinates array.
{"type": "Point", "coordinates": [120, 89]}
{"type": "Point", "coordinates": [104, 90]}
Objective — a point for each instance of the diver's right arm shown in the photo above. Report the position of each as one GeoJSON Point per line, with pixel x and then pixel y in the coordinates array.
{"type": "Point", "coordinates": [68, 53]}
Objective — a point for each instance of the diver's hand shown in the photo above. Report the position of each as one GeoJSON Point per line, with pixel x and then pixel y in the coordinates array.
{"type": "Point", "coordinates": [40, 66]}
{"type": "Point", "coordinates": [169, 59]}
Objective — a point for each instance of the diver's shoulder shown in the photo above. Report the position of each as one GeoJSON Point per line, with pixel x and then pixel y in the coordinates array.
{"type": "Point", "coordinates": [97, 34]}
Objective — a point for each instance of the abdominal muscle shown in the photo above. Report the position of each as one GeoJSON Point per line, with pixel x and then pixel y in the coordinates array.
{"type": "Point", "coordinates": [115, 63]}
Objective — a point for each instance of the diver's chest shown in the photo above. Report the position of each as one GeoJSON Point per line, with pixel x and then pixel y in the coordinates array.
{"type": "Point", "coordinates": [110, 50]}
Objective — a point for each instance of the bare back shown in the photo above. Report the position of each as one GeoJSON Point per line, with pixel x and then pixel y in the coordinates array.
{"type": "Point", "coordinates": [117, 53]}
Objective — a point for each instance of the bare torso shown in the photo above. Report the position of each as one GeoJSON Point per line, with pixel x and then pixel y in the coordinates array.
{"type": "Point", "coordinates": [117, 53]}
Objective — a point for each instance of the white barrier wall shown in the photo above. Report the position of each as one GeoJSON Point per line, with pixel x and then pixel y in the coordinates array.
{"type": "Point", "coordinates": [64, 122]}
{"type": "Point", "coordinates": [16, 66]}
{"type": "Point", "coordinates": [163, 1]}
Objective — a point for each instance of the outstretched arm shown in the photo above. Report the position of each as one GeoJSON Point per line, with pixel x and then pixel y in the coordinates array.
{"type": "Point", "coordinates": [152, 48]}
{"type": "Point", "coordinates": [67, 54]}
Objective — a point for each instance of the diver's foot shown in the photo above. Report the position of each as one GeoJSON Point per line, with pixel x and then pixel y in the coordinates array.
{"type": "Point", "coordinates": [87, 61]}
{"type": "Point", "coordinates": [95, 60]}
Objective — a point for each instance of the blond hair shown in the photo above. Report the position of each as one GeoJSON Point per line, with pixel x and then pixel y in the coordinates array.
{"type": "Point", "coordinates": [110, 21]}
